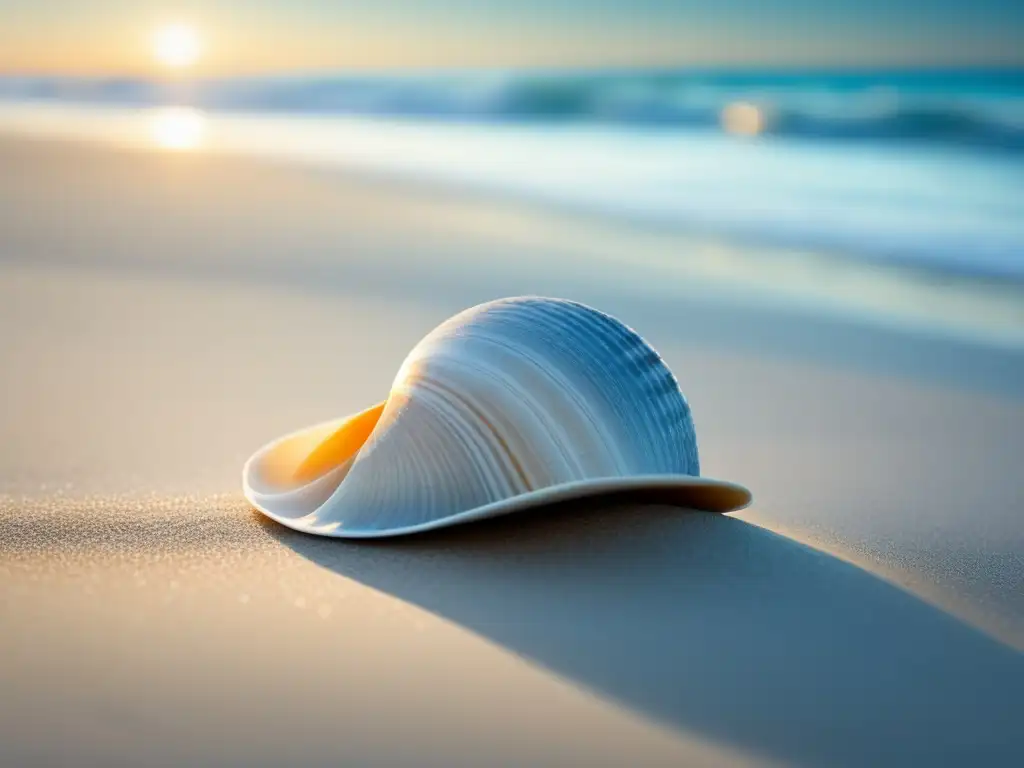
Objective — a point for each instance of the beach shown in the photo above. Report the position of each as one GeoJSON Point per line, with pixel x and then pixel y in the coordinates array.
{"type": "Point", "coordinates": [165, 314]}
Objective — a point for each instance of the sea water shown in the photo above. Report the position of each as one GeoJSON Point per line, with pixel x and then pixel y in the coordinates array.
{"type": "Point", "coordinates": [923, 168]}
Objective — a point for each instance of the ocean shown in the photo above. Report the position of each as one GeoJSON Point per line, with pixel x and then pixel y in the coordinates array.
{"type": "Point", "coordinates": [918, 169]}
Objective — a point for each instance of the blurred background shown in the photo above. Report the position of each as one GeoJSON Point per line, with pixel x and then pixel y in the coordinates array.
{"type": "Point", "coordinates": [868, 154]}
{"type": "Point", "coordinates": [222, 220]}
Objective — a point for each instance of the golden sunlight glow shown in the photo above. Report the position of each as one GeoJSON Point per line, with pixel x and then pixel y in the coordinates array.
{"type": "Point", "coordinates": [303, 457]}
{"type": "Point", "coordinates": [340, 446]}
{"type": "Point", "coordinates": [176, 45]}
{"type": "Point", "coordinates": [177, 128]}
{"type": "Point", "coordinates": [743, 119]}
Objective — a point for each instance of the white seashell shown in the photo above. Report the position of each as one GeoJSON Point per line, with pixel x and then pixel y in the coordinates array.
{"type": "Point", "coordinates": [507, 405]}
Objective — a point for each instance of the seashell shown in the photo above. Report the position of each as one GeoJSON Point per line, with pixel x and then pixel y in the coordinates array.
{"type": "Point", "coordinates": [506, 406]}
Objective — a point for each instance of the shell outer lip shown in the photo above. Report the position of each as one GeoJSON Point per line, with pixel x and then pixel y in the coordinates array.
{"type": "Point", "coordinates": [668, 489]}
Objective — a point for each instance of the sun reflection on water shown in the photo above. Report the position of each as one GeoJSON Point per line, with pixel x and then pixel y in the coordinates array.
{"type": "Point", "coordinates": [743, 119]}
{"type": "Point", "coordinates": [177, 128]}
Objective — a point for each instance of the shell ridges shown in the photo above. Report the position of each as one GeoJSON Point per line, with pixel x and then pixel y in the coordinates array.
{"type": "Point", "coordinates": [506, 405]}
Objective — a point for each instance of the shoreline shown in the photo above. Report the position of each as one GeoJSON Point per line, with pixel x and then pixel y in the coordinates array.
{"type": "Point", "coordinates": [897, 296]}
{"type": "Point", "coordinates": [948, 300]}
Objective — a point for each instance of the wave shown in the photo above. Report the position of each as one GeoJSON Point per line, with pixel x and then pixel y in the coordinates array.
{"type": "Point", "coordinates": [975, 109]}
{"type": "Point", "coordinates": [940, 212]}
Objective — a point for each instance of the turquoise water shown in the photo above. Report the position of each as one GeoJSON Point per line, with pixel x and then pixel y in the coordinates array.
{"type": "Point", "coordinates": [975, 108]}
{"type": "Point", "coordinates": [919, 168]}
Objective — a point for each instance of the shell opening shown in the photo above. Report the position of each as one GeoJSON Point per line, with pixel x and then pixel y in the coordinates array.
{"type": "Point", "coordinates": [300, 459]}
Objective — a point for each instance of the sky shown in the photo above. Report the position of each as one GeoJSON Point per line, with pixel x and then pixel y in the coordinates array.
{"type": "Point", "coordinates": [251, 36]}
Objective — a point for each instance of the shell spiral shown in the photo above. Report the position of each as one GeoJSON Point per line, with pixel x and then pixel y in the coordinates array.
{"type": "Point", "coordinates": [505, 399]}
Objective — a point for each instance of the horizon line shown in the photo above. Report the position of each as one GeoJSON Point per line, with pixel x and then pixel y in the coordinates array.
{"type": "Point", "coordinates": [1007, 68]}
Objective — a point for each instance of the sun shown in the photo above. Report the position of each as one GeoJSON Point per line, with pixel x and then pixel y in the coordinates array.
{"type": "Point", "coordinates": [176, 45]}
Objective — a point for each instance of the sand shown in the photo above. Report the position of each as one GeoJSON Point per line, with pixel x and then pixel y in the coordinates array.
{"type": "Point", "coordinates": [162, 316]}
